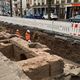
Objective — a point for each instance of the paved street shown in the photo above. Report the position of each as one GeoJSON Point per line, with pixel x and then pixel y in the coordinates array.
{"type": "Point", "coordinates": [57, 26]}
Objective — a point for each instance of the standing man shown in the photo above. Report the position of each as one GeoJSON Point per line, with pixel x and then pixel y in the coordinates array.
{"type": "Point", "coordinates": [28, 36]}
{"type": "Point", "coordinates": [18, 33]}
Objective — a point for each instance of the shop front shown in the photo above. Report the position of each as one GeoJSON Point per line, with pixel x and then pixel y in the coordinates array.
{"type": "Point", "coordinates": [73, 10]}
{"type": "Point", "coordinates": [76, 9]}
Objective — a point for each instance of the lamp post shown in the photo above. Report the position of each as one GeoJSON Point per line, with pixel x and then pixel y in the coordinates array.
{"type": "Point", "coordinates": [2, 6]}
{"type": "Point", "coordinates": [21, 8]}
{"type": "Point", "coordinates": [49, 9]}
{"type": "Point", "coordinates": [11, 8]}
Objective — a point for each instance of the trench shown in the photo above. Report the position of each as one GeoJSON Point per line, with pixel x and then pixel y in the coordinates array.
{"type": "Point", "coordinates": [16, 53]}
{"type": "Point", "coordinates": [12, 52]}
{"type": "Point", "coordinates": [66, 48]}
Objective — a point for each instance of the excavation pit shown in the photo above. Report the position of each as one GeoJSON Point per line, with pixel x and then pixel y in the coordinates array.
{"type": "Point", "coordinates": [17, 49]}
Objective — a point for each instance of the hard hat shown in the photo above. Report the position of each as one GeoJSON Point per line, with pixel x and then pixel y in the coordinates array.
{"type": "Point", "coordinates": [28, 31]}
{"type": "Point", "coordinates": [17, 30]}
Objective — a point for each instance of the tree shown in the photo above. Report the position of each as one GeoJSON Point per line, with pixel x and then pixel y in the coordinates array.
{"type": "Point", "coordinates": [49, 9]}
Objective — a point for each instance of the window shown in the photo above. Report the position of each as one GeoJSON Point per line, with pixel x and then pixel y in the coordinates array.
{"type": "Point", "coordinates": [43, 2]}
{"type": "Point", "coordinates": [68, 1]}
{"type": "Point", "coordinates": [34, 2]}
{"type": "Point", "coordinates": [38, 4]}
{"type": "Point", "coordinates": [62, 1]}
{"type": "Point", "coordinates": [57, 1]}
{"type": "Point", "coordinates": [76, 1]}
{"type": "Point", "coordinates": [15, 0]}
{"type": "Point", "coordinates": [52, 2]}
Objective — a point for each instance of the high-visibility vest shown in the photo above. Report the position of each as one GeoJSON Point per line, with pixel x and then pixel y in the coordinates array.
{"type": "Point", "coordinates": [18, 34]}
{"type": "Point", "coordinates": [27, 36]}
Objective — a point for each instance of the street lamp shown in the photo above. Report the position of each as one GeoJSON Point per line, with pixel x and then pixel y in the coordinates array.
{"type": "Point", "coordinates": [58, 8]}
{"type": "Point", "coordinates": [2, 6]}
{"type": "Point", "coordinates": [49, 9]}
{"type": "Point", "coordinates": [21, 7]}
{"type": "Point", "coordinates": [11, 8]}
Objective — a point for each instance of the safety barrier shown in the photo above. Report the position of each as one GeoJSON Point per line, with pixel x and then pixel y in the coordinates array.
{"type": "Point", "coordinates": [57, 26]}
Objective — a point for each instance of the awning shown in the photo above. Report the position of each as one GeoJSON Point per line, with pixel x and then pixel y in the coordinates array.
{"type": "Point", "coordinates": [76, 4]}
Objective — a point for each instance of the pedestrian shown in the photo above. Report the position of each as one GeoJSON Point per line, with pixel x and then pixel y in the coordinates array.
{"type": "Point", "coordinates": [18, 33]}
{"type": "Point", "coordinates": [28, 36]}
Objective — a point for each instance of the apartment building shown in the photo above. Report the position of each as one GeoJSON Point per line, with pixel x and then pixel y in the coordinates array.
{"type": "Point", "coordinates": [39, 7]}
{"type": "Point", "coordinates": [17, 5]}
{"type": "Point", "coordinates": [4, 7]}
{"type": "Point", "coordinates": [63, 8]}
{"type": "Point", "coordinates": [72, 8]}
{"type": "Point", "coordinates": [68, 8]}
{"type": "Point", "coordinates": [1, 7]}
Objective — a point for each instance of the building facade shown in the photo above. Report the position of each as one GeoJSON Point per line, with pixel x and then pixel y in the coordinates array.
{"type": "Point", "coordinates": [72, 8]}
{"type": "Point", "coordinates": [68, 8]}
{"type": "Point", "coordinates": [62, 8]}
{"type": "Point", "coordinates": [17, 4]}
{"type": "Point", "coordinates": [1, 7]}
{"type": "Point", "coordinates": [39, 7]}
{"type": "Point", "coordinates": [4, 7]}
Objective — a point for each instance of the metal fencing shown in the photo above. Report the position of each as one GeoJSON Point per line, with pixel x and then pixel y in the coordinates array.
{"type": "Point", "coordinates": [57, 26]}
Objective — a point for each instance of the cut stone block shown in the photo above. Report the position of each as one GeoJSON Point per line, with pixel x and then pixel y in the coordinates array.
{"type": "Point", "coordinates": [56, 65]}
{"type": "Point", "coordinates": [24, 45]}
{"type": "Point", "coordinates": [41, 67]}
{"type": "Point", "coordinates": [36, 68]}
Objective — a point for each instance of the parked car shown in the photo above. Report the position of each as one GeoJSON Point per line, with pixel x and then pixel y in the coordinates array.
{"type": "Point", "coordinates": [36, 16]}
{"type": "Point", "coordinates": [53, 16]}
{"type": "Point", "coordinates": [28, 16]}
{"type": "Point", "coordinates": [75, 18]}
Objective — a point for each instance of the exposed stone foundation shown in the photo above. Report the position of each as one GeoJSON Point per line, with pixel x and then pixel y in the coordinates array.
{"type": "Point", "coordinates": [32, 58]}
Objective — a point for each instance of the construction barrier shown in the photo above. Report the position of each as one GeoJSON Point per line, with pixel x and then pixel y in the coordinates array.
{"type": "Point", "coordinates": [57, 26]}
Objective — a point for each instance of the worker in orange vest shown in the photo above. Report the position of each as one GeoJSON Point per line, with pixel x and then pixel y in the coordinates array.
{"type": "Point", "coordinates": [18, 33]}
{"type": "Point", "coordinates": [28, 36]}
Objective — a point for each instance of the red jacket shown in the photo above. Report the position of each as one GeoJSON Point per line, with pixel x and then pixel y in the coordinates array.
{"type": "Point", "coordinates": [27, 36]}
